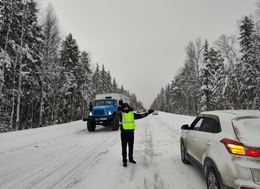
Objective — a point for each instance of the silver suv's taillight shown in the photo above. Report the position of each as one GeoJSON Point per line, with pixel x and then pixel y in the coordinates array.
{"type": "Point", "coordinates": [246, 187]}
{"type": "Point", "coordinates": [238, 148]}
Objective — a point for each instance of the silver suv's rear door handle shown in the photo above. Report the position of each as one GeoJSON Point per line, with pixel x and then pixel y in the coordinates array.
{"type": "Point", "coordinates": [208, 143]}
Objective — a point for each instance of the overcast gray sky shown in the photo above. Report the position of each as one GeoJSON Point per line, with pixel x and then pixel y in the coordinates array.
{"type": "Point", "coordinates": [142, 42]}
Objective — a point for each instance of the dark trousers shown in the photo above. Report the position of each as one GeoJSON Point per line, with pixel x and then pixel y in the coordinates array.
{"type": "Point", "coordinates": [127, 138]}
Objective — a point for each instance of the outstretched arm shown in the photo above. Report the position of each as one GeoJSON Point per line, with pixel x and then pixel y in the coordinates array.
{"type": "Point", "coordinates": [140, 116]}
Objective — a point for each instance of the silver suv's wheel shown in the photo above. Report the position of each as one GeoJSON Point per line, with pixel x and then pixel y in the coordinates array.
{"type": "Point", "coordinates": [212, 179]}
{"type": "Point", "coordinates": [183, 154]}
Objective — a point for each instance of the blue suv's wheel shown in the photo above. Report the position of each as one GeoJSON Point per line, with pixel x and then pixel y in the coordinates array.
{"type": "Point", "coordinates": [91, 125]}
{"type": "Point", "coordinates": [115, 123]}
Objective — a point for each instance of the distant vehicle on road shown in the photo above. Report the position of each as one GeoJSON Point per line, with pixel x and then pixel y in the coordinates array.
{"type": "Point", "coordinates": [155, 112]}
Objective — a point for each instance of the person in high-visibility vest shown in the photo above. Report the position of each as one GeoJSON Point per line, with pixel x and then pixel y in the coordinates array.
{"type": "Point", "coordinates": [127, 127]}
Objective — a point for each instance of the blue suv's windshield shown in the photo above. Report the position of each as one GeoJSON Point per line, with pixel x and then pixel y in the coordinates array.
{"type": "Point", "coordinates": [105, 102]}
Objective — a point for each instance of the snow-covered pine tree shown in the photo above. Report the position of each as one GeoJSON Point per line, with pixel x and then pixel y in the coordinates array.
{"type": "Point", "coordinates": [256, 103]}
{"type": "Point", "coordinates": [87, 85]}
{"type": "Point", "coordinates": [33, 43]}
{"type": "Point", "coordinates": [109, 83]}
{"type": "Point", "coordinates": [177, 100]}
{"type": "Point", "coordinates": [103, 80]}
{"type": "Point", "coordinates": [206, 104]}
{"type": "Point", "coordinates": [114, 86]}
{"type": "Point", "coordinates": [28, 59]}
{"type": "Point", "coordinates": [8, 10]}
{"type": "Point", "coordinates": [69, 58]}
{"type": "Point", "coordinates": [248, 64]}
{"type": "Point", "coordinates": [96, 81]}
{"type": "Point", "coordinates": [167, 98]}
{"type": "Point", "coordinates": [216, 77]}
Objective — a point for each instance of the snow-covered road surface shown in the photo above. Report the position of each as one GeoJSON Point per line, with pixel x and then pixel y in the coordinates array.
{"type": "Point", "coordinates": [68, 156]}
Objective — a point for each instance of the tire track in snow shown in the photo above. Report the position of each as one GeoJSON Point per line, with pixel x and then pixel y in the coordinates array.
{"type": "Point", "coordinates": [170, 136]}
{"type": "Point", "coordinates": [85, 159]}
{"type": "Point", "coordinates": [76, 153]}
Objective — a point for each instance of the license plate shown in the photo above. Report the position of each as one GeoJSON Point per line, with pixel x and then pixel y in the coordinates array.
{"type": "Point", "coordinates": [103, 118]}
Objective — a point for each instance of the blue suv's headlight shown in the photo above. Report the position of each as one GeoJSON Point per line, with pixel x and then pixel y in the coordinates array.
{"type": "Point", "coordinates": [109, 113]}
{"type": "Point", "coordinates": [90, 114]}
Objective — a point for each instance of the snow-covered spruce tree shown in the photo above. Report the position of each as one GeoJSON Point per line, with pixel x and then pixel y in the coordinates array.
{"type": "Point", "coordinates": [80, 75]}
{"type": "Point", "coordinates": [233, 88]}
{"type": "Point", "coordinates": [140, 105]}
{"type": "Point", "coordinates": [162, 99]}
{"type": "Point", "coordinates": [96, 81]}
{"type": "Point", "coordinates": [102, 81]}
{"type": "Point", "coordinates": [26, 42]}
{"type": "Point", "coordinates": [248, 64]}
{"type": "Point", "coordinates": [69, 59]}
{"type": "Point", "coordinates": [256, 103]}
{"type": "Point", "coordinates": [167, 107]}
{"type": "Point", "coordinates": [105, 81]}
{"type": "Point", "coordinates": [121, 90]}
{"type": "Point", "coordinates": [18, 62]}
{"type": "Point", "coordinates": [87, 85]}
{"type": "Point", "coordinates": [217, 76]}
{"type": "Point", "coordinates": [155, 104]}
{"type": "Point", "coordinates": [206, 104]}
{"type": "Point", "coordinates": [103, 76]}
{"type": "Point", "coordinates": [178, 103]}
{"type": "Point", "coordinates": [109, 83]}
{"type": "Point", "coordinates": [7, 12]}
{"type": "Point", "coordinates": [8, 21]}
{"type": "Point", "coordinates": [114, 86]}
{"type": "Point", "coordinates": [213, 80]}
{"type": "Point", "coordinates": [33, 43]}
{"type": "Point", "coordinates": [134, 103]}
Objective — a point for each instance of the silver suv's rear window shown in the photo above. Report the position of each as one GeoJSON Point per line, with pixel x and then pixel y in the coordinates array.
{"type": "Point", "coordinates": [248, 130]}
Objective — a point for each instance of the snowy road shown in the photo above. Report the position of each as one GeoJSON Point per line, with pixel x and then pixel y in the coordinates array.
{"type": "Point", "coordinates": [68, 156]}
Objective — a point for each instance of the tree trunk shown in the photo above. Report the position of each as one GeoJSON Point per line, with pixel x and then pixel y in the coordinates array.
{"type": "Point", "coordinates": [20, 72]}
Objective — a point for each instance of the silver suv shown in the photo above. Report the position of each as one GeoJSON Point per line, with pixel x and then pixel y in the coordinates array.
{"type": "Point", "coordinates": [225, 145]}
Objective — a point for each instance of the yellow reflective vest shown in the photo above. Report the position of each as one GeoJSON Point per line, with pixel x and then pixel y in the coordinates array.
{"type": "Point", "coordinates": [128, 121]}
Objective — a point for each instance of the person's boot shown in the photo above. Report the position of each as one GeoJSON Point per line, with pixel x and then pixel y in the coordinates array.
{"type": "Point", "coordinates": [132, 161]}
{"type": "Point", "coordinates": [125, 164]}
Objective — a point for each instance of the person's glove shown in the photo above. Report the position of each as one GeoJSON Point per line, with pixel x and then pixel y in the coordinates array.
{"type": "Point", "coordinates": [150, 111]}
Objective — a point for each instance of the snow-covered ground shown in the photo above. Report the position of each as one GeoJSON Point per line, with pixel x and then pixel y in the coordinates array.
{"type": "Point", "coordinates": [68, 156]}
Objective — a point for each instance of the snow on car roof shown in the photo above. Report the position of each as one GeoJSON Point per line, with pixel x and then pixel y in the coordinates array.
{"type": "Point", "coordinates": [238, 113]}
{"type": "Point", "coordinates": [248, 130]}
{"type": "Point", "coordinates": [245, 123]}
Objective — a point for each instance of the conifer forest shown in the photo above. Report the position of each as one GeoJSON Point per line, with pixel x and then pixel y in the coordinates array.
{"type": "Point", "coordinates": [45, 79]}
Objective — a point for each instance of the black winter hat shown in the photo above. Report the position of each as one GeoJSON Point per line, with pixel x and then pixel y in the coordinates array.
{"type": "Point", "coordinates": [125, 105]}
